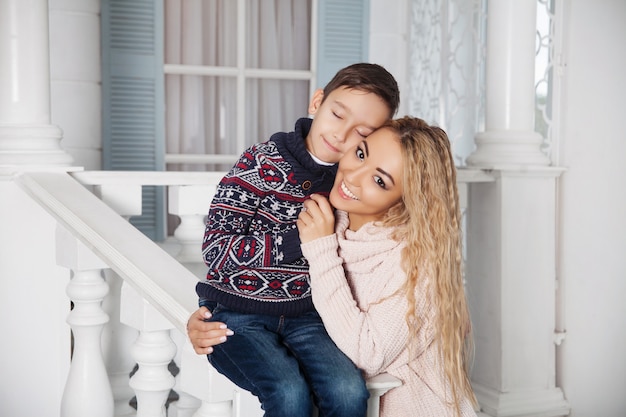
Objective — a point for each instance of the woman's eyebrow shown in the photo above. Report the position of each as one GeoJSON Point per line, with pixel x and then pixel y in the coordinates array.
{"type": "Point", "coordinates": [385, 173]}
{"type": "Point", "coordinates": [367, 152]}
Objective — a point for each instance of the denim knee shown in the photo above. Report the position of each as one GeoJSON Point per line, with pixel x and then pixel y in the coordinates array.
{"type": "Point", "coordinates": [288, 399]}
{"type": "Point", "coordinates": [345, 397]}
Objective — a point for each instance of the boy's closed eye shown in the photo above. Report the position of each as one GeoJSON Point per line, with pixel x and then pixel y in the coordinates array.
{"type": "Point", "coordinates": [363, 133]}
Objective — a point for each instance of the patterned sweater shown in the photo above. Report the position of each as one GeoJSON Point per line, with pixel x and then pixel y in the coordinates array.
{"type": "Point", "coordinates": [355, 278]}
{"type": "Point", "coordinates": [251, 243]}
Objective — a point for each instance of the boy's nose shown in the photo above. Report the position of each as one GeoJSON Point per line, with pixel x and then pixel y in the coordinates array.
{"type": "Point", "coordinates": [341, 135]}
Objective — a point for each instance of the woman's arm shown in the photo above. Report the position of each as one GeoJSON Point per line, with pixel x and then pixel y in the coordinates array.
{"type": "Point", "coordinates": [373, 336]}
{"type": "Point", "coordinates": [202, 334]}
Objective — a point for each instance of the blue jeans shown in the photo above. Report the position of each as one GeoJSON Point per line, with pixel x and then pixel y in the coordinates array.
{"type": "Point", "coordinates": [289, 363]}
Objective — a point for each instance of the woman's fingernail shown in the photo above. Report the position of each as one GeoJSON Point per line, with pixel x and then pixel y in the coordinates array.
{"type": "Point", "coordinates": [207, 314]}
{"type": "Point", "coordinates": [223, 339]}
{"type": "Point", "coordinates": [229, 332]}
{"type": "Point", "coordinates": [209, 350]}
{"type": "Point", "coordinates": [223, 326]}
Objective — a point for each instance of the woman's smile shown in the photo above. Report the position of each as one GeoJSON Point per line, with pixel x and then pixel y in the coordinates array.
{"type": "Point", "coordinates": [345, 192]}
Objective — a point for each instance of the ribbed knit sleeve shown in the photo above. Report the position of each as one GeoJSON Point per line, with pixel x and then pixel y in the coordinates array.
{"type": "Point", "coordinates": [374, 334]}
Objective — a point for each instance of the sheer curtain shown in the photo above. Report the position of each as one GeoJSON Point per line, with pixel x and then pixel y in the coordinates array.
{"type": "Point", "coordinates": [201, 111]}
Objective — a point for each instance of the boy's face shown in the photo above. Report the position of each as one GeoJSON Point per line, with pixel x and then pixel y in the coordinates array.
{"type": "Point", "coordinates": [342, 121]}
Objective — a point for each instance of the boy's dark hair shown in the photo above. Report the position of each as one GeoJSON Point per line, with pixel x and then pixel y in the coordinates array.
{"type": "Point", "coordinates": [371, 78]}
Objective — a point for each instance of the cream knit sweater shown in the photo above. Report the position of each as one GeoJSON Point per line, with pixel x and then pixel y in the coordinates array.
{"type": "Point", "coordinates": [354, 279]}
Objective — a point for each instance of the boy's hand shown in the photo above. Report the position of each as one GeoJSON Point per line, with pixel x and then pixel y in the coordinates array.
{"type": "Point", "coordinates": [316, 220]}
{"type": "Point", "coordinates": [203, 335]}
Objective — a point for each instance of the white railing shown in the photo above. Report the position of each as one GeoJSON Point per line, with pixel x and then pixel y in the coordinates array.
{"type": "Point", "coordinates": [136, 311]}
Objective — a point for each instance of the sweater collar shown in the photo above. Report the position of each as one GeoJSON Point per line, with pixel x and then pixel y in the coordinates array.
{"type": "Point", "coordinates": [292, 147]}
{"type": "Point", "coordinates": [370, 244]}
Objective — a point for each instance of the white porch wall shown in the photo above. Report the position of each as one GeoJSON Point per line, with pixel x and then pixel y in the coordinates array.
{"type": "Point", "coordinates": [591, 364]}
{"type": "Point", "coordinates": [33, 307]}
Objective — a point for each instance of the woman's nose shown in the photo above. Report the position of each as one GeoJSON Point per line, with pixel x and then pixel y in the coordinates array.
{"type": "Point", "coordinates": [353, 175]}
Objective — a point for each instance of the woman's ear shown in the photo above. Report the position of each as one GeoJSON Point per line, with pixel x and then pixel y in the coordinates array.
{"type": "Point", "coordinates": [316, 101]}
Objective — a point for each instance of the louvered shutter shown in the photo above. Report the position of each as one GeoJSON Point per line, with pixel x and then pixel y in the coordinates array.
{"type": "Point", "coordinates": [133, 98]}
{"type": "Point", "coordinates": [343, 34]}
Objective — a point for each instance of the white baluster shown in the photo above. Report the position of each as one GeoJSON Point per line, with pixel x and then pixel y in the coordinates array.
{"type": "Point", "coordinates": [190, 203]}
{"type": "Point", "coordinates": [186, 404]}
{"type": "Point", "coordinates": [87, 390]}
{"type": "Point", "coordinates": [220, 397]}
{"type": "Point", "coordinates": [153, 381]}
{"type": "Point", "coordinates": [220, 409]}
{"type": "Point", "coordinates": [118, 338]}
{"type": "Point", "coordinates": [153, 351]}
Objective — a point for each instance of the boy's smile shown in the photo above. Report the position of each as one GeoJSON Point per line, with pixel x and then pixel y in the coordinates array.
{"type": "Point", "coordinates": [342, 120]}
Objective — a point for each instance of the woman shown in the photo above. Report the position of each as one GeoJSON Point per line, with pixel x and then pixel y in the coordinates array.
{"type": "Point", "coordinates": [386, 267]}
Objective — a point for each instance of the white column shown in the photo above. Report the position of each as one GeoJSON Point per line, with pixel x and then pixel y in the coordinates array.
{"type": "Point", "coordinates": [511, 232]}
{"type": "Point", "coordinates": [26, 135]}
{"type": "Point", "coordinates": [511, 287]}
{"type": "Point", "coordinates": [509, 138]}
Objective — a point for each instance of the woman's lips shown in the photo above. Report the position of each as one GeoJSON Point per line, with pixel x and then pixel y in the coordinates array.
{"type": "Point", "coordinates": [345, 192]}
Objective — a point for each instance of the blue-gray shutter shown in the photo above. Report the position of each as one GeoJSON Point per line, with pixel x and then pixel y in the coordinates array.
{"type": "Point", "coordinates": [343, 36]}
{"type": "Point", "coordinates": [133, 99]}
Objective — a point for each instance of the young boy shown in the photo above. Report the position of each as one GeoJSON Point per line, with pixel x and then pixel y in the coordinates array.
{"type": "Point", "coordinates": [258, 283]}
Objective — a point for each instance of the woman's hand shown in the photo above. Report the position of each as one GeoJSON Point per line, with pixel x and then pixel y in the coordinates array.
{"type": "Point", "coordinates": [316, 220]}
{"type": "Point", "coordinates": [203, 335]}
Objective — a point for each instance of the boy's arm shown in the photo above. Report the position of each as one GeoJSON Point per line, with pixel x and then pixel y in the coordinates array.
{"type": "Point", "coordinates": [232, 238]}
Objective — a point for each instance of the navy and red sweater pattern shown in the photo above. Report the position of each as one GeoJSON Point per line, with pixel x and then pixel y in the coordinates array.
{"type": "Point", "coordinates": [251, 244]}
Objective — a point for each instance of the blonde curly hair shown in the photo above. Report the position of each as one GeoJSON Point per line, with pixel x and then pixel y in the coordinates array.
{"type": "Point", "coordinates": [428, 221]}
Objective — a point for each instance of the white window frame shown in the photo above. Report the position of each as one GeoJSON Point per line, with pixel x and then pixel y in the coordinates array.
{"type": "Point", "coordinates": [242, 73]}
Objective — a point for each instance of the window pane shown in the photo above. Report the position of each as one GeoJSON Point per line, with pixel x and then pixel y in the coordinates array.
{"type": "Point", "coordinates": [200, 117]}
{"type": "Point", "coordinates": [201, 32]}
{"type": "Point", "coordinates": [202, 113]}
{"type": "Point", "coordinates": [273, 106]}
{"type": "Point", "coordinates": [278, 34]}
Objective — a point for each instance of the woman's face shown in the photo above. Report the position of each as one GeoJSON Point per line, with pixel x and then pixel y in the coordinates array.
{"type": "Point", "coordinates": [369, 178]}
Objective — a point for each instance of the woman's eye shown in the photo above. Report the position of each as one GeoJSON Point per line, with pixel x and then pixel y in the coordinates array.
{"type": "Point", "coordinates": [380, 182]}
{"type": "Point", "coordinates": [359, 153]}
{"type": "Point", "coordinates": [336, 115]}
